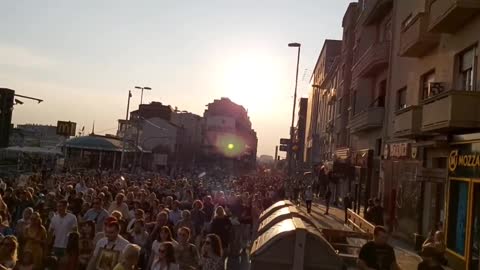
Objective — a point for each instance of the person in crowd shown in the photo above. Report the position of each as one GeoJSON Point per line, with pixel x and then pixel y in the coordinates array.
{"type": "Point", "coordinates": [166, 259]}
{"type": "Point", "coordinates": [212, 253]}
{"type": "Point", "coordinates": [347, 204]}
{"type": "Point", "coordinates": [138, 215]}
{"type": "Point", "coordinates": [164, 236]}
{"type": "Point", "coordinates": [8, 252]}
{"type": "Point", "coordinates": [139, 234]}
{"type": "Point", "coordinates": [35, 239]}
{"type": "Point", "coordinates": [245, 220]}
{"type": "Point", "coordinates": [154, 227]}
{"type": "Point", "coordinates": [377, 254]}
{"type": "Point", "coordinates": [176, 214]}
{"type": "Point", "coordinates": [111, 243]}
{"type": "Point", "coordinates": [430, 259]}
{"type": "Point", "coordinates": [328, 198]}
{"type": "Point", "coordinates": [97, 214]}
{"type": "Point", "coordinates": [186, 221]}
{"type": "Point", "coordinates": [208, 208]}
{"type": "Point", "coordinates": [22, 223]}
{"type": "Point", "coordinates": [257, 209]}
{"type": "Point", "coordinates": [72, 253]}
{"type": "Point", "coordinates": [5, 228]}
{"type": "Point", "coordinates": [309, 198]}
{"type": "Point", "coordinates": [186, 253]}
{"type": "Point", "coordinates": [129, 258]}
{"type": "Point", "coordinates": [369, 212]}
{"type": "Point", "coordinates": [378, 213]}
{"type": "Point", "coordinates": [76, 204]}
{"type": "Point", "coordinates": [86, 244]}
{"type": "Point", "coordinates": [60, 226]}
{"type": "Point", "coordinates": [198, 219]}
{"type": "Point", "coordinates": [120, 206]}
{"type": "Point", "coordinates": [51, 263]}
{"type": "Point", "coordinates": [26, 261]}
{"type": "Point", "coordinates": [436, 242]}
{"type": "Point", "coordinates": [222, 226]}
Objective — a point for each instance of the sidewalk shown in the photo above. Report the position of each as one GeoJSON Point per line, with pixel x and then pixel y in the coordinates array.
{"type": "Point", "coordinates": [406, 256]}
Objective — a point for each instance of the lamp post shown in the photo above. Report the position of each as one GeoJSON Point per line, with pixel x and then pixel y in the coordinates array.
{"type": "Point", "coordinates": [122, 157]}
{"type": "Point", "coordinates": [292, 127]}
{"type": "Point", "coordinates": [142, 88]}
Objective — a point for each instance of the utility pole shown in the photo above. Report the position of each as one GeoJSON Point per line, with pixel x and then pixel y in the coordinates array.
{"type": "Point", "coordinates": [292, 127]}
{"type": "Point", "coordinates": [122, 157]}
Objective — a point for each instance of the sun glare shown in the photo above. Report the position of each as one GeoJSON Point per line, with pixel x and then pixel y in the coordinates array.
{"type": "Point", "coordinates": [250, 80]}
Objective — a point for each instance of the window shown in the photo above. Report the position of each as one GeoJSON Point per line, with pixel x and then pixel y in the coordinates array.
{"type": "Point", "coordinates": [467, 65]}
{"type": "Point", "coordinates": [457, 216]}
{"type": "Point", "coordinates": [402, 98]}
{"type": "Point", "coordinates": [426, 81]}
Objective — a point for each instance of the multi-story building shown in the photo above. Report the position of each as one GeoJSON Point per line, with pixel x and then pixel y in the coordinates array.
{"type": "Point", "coordinates": [318, 110]}
{"type": "Point", "coordinates": [433, 99]}
{"type": "Point", "coordinates": [229, 139]}
{"type": "Point", "coordinates": [371, 55]}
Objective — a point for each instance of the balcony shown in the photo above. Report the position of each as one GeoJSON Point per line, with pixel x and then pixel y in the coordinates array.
{"type": "Point", "coordinates": [370, 118]}
{"type": "Point", "coordinates": [375, 11]}
{"type": "Point", "coordinates": [408, 122]}
{"type": "Point", "coordinates": [374, 60]}
{"type": "Point", "coordinates": [451, 110]}
{"type": "Point", "coordinates": [447, 16]}
{"type": "Point", "coordinates": [415, 40]}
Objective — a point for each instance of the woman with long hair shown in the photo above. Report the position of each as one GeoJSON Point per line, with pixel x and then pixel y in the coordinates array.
{"type": "Point", "coordinates": [72, 253]}
{"type": "Point", "coordinates": [187, 222]}
{"type": "Point", "coordinates": [129, 258]}
{"type": "Point", "coordinates": [222, 226]}
{"type": "Point", "coordinates": [35, 239]}
{"type": "Point", "coordinates": [212, 253]}
{"type": "Point", "coordinates": [186, 252]}
{"type": "Point", "coordinates": [86, 245]}
{"type": "Point", "coordinates": [8, 252]}
{"type": "Point", "coordinates": [166, 258]}
{"type": "Point", "coordinates": [164, 236]}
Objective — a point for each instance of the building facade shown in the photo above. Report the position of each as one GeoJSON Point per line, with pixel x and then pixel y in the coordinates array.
{"type": "Point", "coordinates": [229, 139]}
{"type": "Point", "coordinates": [300, 132]}
{"type": "Point", "coordinates": [406, 91]}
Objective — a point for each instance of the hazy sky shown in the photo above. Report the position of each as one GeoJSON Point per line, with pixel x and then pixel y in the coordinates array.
{"type": "Point", "coordinates": [82, 57]}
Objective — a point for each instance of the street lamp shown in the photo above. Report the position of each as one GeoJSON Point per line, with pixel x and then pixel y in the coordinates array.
{"type": "Point", "coordinates": [292, 127]}
{"type": "Point", "coordinates": [142, 88]}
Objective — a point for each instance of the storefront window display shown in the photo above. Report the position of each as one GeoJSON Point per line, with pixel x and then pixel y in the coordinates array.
{"type": "Point", "coordinates": [457, 219]}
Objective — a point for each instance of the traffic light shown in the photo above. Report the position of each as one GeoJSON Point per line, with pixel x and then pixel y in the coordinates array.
{"type": "Point", "coordinates": [6, 108]}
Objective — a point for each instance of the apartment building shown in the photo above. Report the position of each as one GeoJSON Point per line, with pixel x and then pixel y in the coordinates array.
{"type": "Point", "coordinates": [371, 60]}
{"type": "Point", "coordinates": [434, 98]}
{"type": "Point", "coordinates": [316, 111]}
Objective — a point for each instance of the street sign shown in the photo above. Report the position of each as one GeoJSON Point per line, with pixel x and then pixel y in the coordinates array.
{"type": "Point", "coordinates": [284, 148]}
{"type": "Point", "coordinates": [284, 141]}
{"type": "Point", "coordinates": [65, 128]}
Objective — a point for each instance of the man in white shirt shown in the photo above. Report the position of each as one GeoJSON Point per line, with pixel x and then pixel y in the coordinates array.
{"type": "Point", "coordinates": [120, 206]}
{"type": "Point", "coordinates": [61, 225]}
{"type": "Point", "coordinates": [112, 243]}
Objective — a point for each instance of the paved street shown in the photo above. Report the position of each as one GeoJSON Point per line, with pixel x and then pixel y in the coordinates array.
{"type": "Point", "coordinates": [406, 257]}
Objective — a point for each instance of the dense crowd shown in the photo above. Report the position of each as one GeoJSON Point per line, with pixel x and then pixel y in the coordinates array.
{"type": "Point", "coordinates": [110, 221]}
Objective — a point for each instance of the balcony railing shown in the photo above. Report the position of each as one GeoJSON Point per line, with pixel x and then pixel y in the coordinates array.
{"type": "Point", "coordinates": [415, 40]}
{"type": "Point", "coordinates": [376, 10]}
{"type": "Point", "coordinates": [408, 122]}
{"type": "Point", "coordinates": [374, 60]}
{"type": "Point", "coordinates": [447, 16]}
{"type": "Point", "coordinates": [370, 118]}
{"type": "Point", "coordinates": [451, 111]}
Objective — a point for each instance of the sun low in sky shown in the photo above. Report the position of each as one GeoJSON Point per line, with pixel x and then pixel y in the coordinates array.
{"type": "Point", "coordinates": [82, 57]}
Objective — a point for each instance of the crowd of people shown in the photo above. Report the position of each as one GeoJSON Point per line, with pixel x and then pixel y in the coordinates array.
{"type": "Point", "coordinates": [105, 221]}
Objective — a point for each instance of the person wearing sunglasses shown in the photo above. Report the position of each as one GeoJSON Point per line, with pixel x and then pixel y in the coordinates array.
{"type": "Point", "coordinates": [212, 253]}
{"type": "Point", "coordinates": [165, 259]}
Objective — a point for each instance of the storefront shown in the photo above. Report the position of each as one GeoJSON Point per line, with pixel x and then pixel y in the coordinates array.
{"type": "Point", "coordinates": [401, 188]}
{"type": "Point", "coordinates": [363, 168]}
{"type": "Point", "coordinates": [462, 228]}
